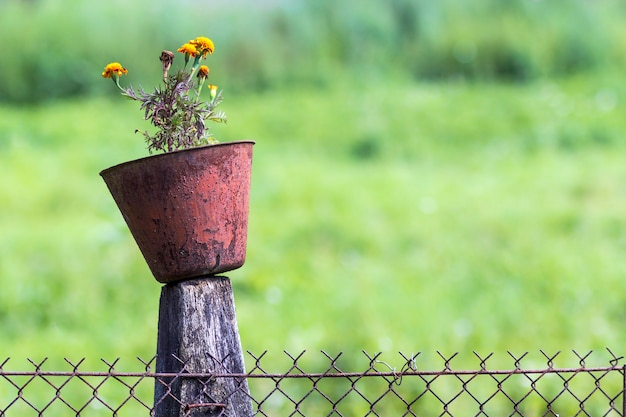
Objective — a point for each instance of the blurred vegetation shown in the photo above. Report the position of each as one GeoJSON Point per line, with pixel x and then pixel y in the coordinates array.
{"type": "Point", "coordinates": [52, 49]}
{"type": "Point", "coordinates": [442, 217]}
{"type": "Point", "coordinates": [428, 174]}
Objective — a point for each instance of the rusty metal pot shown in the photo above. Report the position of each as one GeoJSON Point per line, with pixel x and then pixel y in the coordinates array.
{"type": "Point", "coordinates": [187, 210]}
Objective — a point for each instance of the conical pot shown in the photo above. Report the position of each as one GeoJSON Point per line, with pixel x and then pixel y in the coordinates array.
{"type": "Point", "coordinates": [187, 210]}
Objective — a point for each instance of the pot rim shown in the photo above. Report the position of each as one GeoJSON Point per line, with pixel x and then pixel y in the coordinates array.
{"type": "Point", "coordinates": [179, 151]}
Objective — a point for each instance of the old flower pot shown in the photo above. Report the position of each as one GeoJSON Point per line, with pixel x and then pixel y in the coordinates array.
{"type": "Point", "coordinates": [187, 210]}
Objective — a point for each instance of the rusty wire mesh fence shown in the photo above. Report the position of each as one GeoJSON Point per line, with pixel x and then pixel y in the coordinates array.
{"type": "Point", "coordinates": [322, 384]}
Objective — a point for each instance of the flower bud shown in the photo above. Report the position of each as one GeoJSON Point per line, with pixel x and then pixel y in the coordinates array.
{"type": "Point", "coordinates": [213, 89]}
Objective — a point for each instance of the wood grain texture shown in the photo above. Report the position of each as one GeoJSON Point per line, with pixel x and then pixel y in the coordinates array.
{"type": "Point", "coordinates": [198, 334]}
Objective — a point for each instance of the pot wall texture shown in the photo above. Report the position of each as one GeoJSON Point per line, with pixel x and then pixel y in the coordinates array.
{"type": "Point", "coordinates": [187, 210]}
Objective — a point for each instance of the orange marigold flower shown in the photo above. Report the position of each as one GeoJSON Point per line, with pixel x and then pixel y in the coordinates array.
{"type": "Point", "coordinates": [203, 71]}
{"type": "Point", "coordinates": [188, 49]}
{"type": "Point", "coordinates": [203, 45]}
{"type": "Point", "coordinates": [114, 68]}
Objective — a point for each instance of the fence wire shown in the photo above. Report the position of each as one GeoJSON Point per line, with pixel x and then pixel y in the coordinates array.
{"type": "Point", "coordinates": [324, 384]}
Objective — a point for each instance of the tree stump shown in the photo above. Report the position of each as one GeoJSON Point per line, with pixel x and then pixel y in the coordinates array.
{"type": "Point", "coordinates": [198, 334]}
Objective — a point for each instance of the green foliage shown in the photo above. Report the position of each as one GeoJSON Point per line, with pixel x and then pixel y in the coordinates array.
{"type": "Point", "coordinates": [515, 40]}
{"type": "Point", "coordinates": [284, 44]}
{"type": "Point", "coordinates": [176, 113]}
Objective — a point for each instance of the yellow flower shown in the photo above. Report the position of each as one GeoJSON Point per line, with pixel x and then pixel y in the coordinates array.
{"type": "Point", "coordinates": [188, 49]}
{"type": "Point", "coordinates": [203, 45]}
{"type": "Point", "coordinates": [114, 69]}
{"type": "Point", "coordinates": [203, 72]}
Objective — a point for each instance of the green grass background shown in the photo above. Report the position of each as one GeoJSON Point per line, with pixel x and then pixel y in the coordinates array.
{"type": "Point", "coordinates": [448, 181]}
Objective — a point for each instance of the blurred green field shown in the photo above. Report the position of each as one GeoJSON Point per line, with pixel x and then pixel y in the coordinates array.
{"type": "Point", "coordinates": [427, 176]}
{"type": "Point", "coordinates": [396, 217]}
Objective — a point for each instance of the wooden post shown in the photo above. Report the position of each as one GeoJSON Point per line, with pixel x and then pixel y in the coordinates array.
{"type": "Point", "coordinates": [198, 334]}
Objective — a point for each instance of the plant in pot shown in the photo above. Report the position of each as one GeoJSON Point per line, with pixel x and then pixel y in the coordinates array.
{"type": "Point", "coordinates": [186, 207]}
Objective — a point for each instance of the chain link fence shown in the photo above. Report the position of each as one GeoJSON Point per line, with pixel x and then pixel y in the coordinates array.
{"type": "Point", "coordinates": [323, 384]}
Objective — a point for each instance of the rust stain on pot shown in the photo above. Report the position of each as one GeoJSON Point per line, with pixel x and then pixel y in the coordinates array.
{"type": "Point", "coordinates": [187, 210]}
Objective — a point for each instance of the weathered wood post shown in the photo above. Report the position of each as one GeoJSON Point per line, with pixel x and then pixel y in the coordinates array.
{"type": "Point", "coordinates": [198, 334]}
{"type": "Point", "coordinates": [188, 212]}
